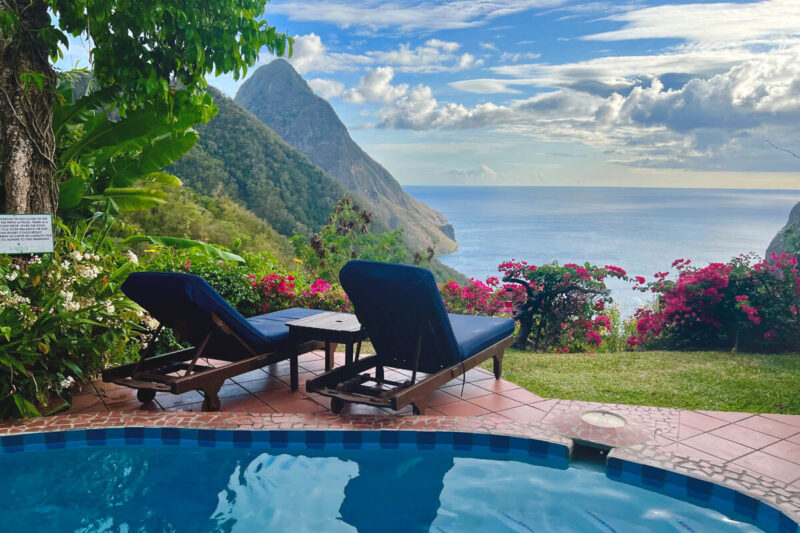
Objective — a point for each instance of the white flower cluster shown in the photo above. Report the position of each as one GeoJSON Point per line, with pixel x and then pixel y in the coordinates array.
{"type": "Point", "coordinates": [78, 256]}
{"type": "Point", "coordinates": [150, 322]}
{"type": "Point", "coordinates": [132, 257]}
{"type": "Point", "coordinates": [87, 271]}
{"type": "Point", "coordinates": [69, 303]}
{"type": "Point", "coordinates": [12, 300]}
{"type": "Point", "coordinates": [67, 382]}
{"type": "Point", "coordinates": [110, 309]}
{"type": "Point", "coordinates": [12, 275]}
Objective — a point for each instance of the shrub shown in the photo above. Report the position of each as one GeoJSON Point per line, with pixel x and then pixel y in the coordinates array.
{"type": "Point", "coordinates": [746, 303]}
{"type": "Point", "coordinates": [346, 236]}
{"type": "Point", "coordinates": [62, 318]}
{"type": "Point", "coordinates": [566, 305]}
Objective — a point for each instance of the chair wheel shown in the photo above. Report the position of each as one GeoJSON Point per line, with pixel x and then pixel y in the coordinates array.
{"type": "Point", "coordinates": [145, 395]}
{"type": "Point", "coordinates": [337, 404]}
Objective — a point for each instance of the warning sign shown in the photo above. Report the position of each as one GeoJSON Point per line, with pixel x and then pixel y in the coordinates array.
{"type": "Point", "coordinates": [26, 234]}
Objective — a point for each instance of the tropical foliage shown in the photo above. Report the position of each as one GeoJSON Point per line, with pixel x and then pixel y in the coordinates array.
{"type": "Point", "coordinates": [747, 303]}
{"type": "Point", "coordinates": [62, 318]}
{"type": "Point", "coordinates": [347, 236]}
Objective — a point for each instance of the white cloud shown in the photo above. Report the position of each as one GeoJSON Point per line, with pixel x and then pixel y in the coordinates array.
{"type": "Point", "coordinates": [433, 56]}
{"type": "Point", "coordinates": [483, 86]}
{"type": "Point", "coordinates": [311, 55]}
{"type": "Point", "coordinates": [478, 175]}
{"type": "Point", "coordinates": [376, 86]}
{"type": "Point", "coordinates": [326, 88]}
{"type": "Point", "coordinates": [374, 15]}
{"type": "Point", "coordinates": [518, 56]}
{"type": "Point", "coordinates": [766, 21]}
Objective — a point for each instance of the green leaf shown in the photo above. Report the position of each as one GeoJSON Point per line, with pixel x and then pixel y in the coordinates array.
{"type": "Point", "coordinates": [25, 408]}
{"type": "Point", "coordinates": [160, 154]}
{"type": "Point", "coordinates": [70, 192]}
{"type": "Point", "coordinates": [178, 243]}
{"type": "Point", "coordinates": [13, 362]}
{"type": "Point", "coordinates": [134, 198]}
{"type": "Point", "coordinates": [162, 178]}
{"type": "Point", "coordinates": [75, 368]}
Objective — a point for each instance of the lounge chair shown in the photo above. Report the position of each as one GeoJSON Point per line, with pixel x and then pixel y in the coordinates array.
{"type": "Point", "coordinates": [404, 316]}
{"type": "Point", "coordinates": [199, 315]}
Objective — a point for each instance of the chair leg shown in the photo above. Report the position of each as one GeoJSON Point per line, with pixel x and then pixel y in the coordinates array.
{"type": "Point", "coordinates": [498, 365]}
{"type": "Point", "coordinates": [211, 401]}
{"type": "Point", "coordinates": [419, 407]}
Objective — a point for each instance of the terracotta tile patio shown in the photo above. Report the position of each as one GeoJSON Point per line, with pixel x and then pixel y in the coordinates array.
{"type": "Point", "coordinates": [759, 454]}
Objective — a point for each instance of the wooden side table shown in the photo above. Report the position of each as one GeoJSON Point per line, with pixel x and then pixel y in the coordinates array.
{"type": "Point", "coordinates": [331, 328]}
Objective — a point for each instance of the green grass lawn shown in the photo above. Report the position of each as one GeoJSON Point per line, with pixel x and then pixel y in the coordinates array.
{"type": "Point", "coordinates": [689, 380]}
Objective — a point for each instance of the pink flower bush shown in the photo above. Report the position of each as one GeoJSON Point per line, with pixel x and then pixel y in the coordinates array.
{"type": "Point", "coordinates": [748, 303]}
{"type": "Point", "coordinates": [281, 291]}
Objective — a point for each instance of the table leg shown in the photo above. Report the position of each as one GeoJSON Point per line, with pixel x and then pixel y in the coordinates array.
{"type": "Point", "coordinates": [348, 354]}
{"type": "Point", "coordinates": [294, 380]}
{"type": "Point", "coordinates": [328, 356]}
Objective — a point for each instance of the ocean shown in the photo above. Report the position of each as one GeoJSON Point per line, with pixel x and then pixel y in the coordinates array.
{"type": "Point", "coordinates": [642, 230]}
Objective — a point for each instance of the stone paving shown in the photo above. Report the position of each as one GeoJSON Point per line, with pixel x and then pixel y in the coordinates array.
{"type": "Point", "coordinates": [753, 453]}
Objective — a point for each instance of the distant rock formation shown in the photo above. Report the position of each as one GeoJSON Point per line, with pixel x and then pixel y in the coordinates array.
{"type": "Point", "coordinates": [792, 226]}
{"type": "Point", "coordinates": [278, 96]}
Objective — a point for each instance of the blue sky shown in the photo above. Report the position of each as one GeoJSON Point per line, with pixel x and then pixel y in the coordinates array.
{"type": "Point", "coordinates": [558, 92]}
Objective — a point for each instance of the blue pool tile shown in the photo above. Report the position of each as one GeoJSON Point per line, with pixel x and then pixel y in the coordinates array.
{"type": "Point", "coordinates": [613, 467]}
{"type": "Point", "coordinates": [259, 439]}
{"type": "Point", "coordinates": [699, 490]}
{"type": "Point", "coordinates": [206, 438]}
{"type": "Point", "coordinates": [279, 439]}
{"type": "Point", "coordinates": [134, 435]}
{"type": "Point", "coordinates": [315, 440]}
{"type": "Point", "coordinates": [787, 525]}
{"type": "Point", "coordinates": [351, 440]}
{"type": "Point", "coordinates": [480, 440]}
{"type": "Point", "coordinates": [55, 440]}
{"type": "Point", "coordinates": [462, 441]}
{"type": "Point", "coordinates": [426, 440]}
{"type": "Point", "coordinates": [653, 477]}
{"type": "Point", "coordinates": [389, 440]}
{"type": "Point", "coordinates": [746, 505]}
{"type": "Point", "coordinates": [242, 439]}
{"type": "Point", "coordinates": [499, 443]}
{"type": "Point", "coordinates": [170, 436]}
{"type": "Point", "coordinates": [13, 443]}
{"type": "Point", "coordinates": [768, 517]}
{"type": "Point", "coordinates": [96, 437]}
{"type": "Point", "coordinates": [370, 440]}
{"type": "Point", "coordinates": [224, 438]}
{"type": "Point", "coordinates": [723, 499]}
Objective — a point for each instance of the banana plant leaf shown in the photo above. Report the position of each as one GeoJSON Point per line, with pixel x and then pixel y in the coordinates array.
{"type": "Point", "coordinates": [176, 242]}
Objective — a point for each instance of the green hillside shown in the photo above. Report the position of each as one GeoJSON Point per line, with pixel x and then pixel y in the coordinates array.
{"type": "Point", "coordinates": [217, 220]}
{"type": "Point", "coordinates": [239, 157]}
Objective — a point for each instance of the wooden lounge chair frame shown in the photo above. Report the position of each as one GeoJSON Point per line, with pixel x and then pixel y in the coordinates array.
{"type": "Point", "coordinates": [348, 384]}
{"type": "Point", "coordinates": [178, 372]}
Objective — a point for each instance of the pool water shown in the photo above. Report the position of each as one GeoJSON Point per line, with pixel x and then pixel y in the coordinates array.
{"type": "Point", "coordinates": [132, 488]}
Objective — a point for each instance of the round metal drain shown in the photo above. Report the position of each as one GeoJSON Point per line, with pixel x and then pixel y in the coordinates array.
{"type": "Point", "coordinates": [603, 419]}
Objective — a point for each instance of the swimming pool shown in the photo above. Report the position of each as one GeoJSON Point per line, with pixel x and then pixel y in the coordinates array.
{"type": "Point", "coordinates": [154, 479]}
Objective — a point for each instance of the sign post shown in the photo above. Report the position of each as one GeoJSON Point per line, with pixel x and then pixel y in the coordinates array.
{"type": "Point", "coordinates": [26, 234]}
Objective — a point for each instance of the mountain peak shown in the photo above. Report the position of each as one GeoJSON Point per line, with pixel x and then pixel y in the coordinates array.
{"type": "Point", "coordinates": [284, 71]}
{"type": "Point", "coordinates": [279, 97]}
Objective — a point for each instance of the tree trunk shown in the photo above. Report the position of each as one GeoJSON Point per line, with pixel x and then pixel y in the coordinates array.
{"type": "Point", "coordinates": [27, 143]}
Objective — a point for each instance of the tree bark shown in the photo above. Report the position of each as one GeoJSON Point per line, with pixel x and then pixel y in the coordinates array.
{"type": "Point", "coordinates": [27, 143]}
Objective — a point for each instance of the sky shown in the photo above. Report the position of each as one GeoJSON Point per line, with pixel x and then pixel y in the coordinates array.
{"type": "Point", "coordinates": [558, 92]}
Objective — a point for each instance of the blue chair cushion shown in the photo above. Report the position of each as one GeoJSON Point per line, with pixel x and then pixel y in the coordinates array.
{"type": "Point", "coordinates": [476, 333]}
{"type": "Point", "coordinates": [272, 326]}
{"type": "Point", "coordinates": [185, 302]}
{"type": "Point", "coordinates": [400, 304]}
